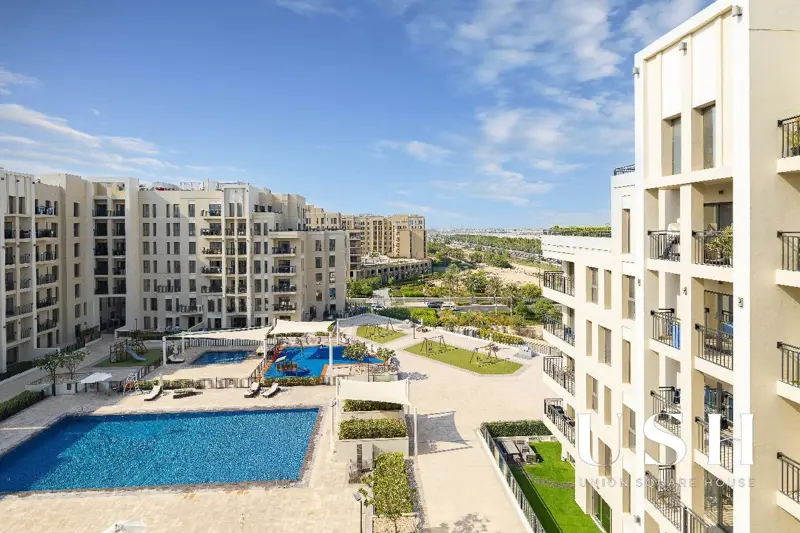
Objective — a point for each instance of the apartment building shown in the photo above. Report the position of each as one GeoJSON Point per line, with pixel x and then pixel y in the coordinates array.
{"type": "Point", "coordinates": [117, 253]}
{"type": "Point", "coordinates": [685, 313]}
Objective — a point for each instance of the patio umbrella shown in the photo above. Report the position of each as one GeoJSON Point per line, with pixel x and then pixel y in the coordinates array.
{"type": "Point", "coordinates": [127, 526]}
{"type": "Point", "coordinates": [96, 377]}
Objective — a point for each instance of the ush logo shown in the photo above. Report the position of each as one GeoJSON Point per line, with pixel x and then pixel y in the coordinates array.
{"type": "Point", "coordinates": [655, 433]}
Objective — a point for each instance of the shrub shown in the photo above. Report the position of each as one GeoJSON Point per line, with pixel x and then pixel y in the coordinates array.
{"type": "Point", "coordinates": [201, 383]}
{"type": "Point", "coordinates": [372, 429]}
{"type": "Point", "coordinates": [502, 338]}
{"type": "Point", "coordinates": [366, 405]}
{"type": "Point", "coordinates": [398, 313]}
{"type": "Point", "coordinates": [517, 428]}
{"type": "Point", "coordinates": [19, 402]}
{"type": "Point", "coordinates": [392, 494]}
{"type": "Point", "coordinates": [293, 382]}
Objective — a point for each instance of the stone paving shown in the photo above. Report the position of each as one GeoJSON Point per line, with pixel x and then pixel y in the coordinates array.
{"type": "Point", "coordinates": [460, 491]}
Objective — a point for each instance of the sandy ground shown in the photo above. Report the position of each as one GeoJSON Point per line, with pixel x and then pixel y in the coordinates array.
{"type": "Point", "coordinates": [518, 274]}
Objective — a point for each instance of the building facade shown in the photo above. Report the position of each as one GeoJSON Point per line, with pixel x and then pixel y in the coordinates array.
{"type": "Point", "coordinates": [116, 253]}
{"type": "Point", "coordinates": [685, 314]}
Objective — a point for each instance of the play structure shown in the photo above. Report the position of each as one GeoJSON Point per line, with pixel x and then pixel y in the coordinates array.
{"type": "Point", "coordinates": [485, 354]}
{"type": "Point", "coordinates": [435, 345]}
{"type": "Point", "coordinates": [130, 348]}
{"type": "Point", "coordinates": [290, 368]}
{"type": "Point", "coordinates": [131, 384]}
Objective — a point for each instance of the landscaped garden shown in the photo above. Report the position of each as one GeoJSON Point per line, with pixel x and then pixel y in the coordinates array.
{"type": "Point", "coordinates": [151, 356]}
{"type": "Point", "coordinates": [481, 362]}
{"type": "Point", "coordinates": [554, 503]}
{"type": "Point", "coordinates": [379, 334]}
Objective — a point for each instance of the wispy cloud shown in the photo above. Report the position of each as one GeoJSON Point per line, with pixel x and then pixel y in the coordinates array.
{"type": "Point", "coordinates": [8, 79]}
{"type": "Point", "coordinates": [28, 117]}
{"type": "Point", "coordinates": [95, 112]}
{"type": "Point", "coordinates": [16, 140]}
{"type": "Point", "coordinates": [312, 8]}
{"type": "Point", "coordinates": [419, 150]}
{"type": "Point", "coordinates": [650, 20]}
{"type": "Point", "coordinates": [423, 209]}
{"type": "Point", "coordinates": [133, 144]}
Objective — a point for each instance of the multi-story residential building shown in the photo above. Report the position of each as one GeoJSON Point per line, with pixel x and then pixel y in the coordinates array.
{"type": "Point", "coordinates": [397, 269]}
{"type": "Point", "coordinates": [685, 313]}
{"type": "Point", "coordinates": [116, 253]}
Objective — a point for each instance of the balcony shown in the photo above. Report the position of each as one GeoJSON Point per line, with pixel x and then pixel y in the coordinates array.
{"type": "Point", "coordinates": [558, 281]}
{"type": "Point", "coordinates": [100, 232]}
{"type": "Point", "coordinates": [46, 234]}
{"type": "Point", "coordinates": [664, 494]}
{"type": "Point", "coordinates": [101, 290]}
{"type": "Point", "coordinates": [46, 279]}
{"type": "Point", "coordinates": [790, 250]}
{"type": "Point", "coordinates": [25, 284]}
{"type": "Point", "coordinates": [24, 259]}
{"type": "Point", "coordinates": [167, 288]}
{"type": "Point", "coordinates": [211, 289]}
{"type": "Point", "coordinates": [119, 271]}
{"type": "Point", "coordinates": [19, 310]}
{"type": "Point", "coordinates": [790, 137]}
{"type": "Point", "coordinates": [25, 234]}
{"type": "Point", "coordinates": [101, 271]}
{"type": "Point", "coordinates": [667, 408]}
{"type": "Point", "coordinates": [10, 234]}
{"type": "Point", "coordinates": [553, 367]}
{"type": "Point", "coordinates": [284, 269]}
{"type": "Point", "coordinates": [44, 211]}
{"type": "Point", "coordinates": [790, 364]}
{"type": "Point", "coordinates": [210, 270]}
{"type": "Point", "coordinates": [119, 252]}
{"type": "Point", "coordinates": [666, 328]}
{"type": "Point", "coordinates": [211, 213]}
{"type": "Point", "coordinates": [716, 346]}
{"type": "Point", "coordinates": [665, 245]}
{"type": "Point", "coordinates": [118, 233]}
{"type": "Point", "coordinates": [284, 250]}
{"type": "Point", "coordinates": [100, 251]}
{"type": "Point", "coordinates": [790, 485]}
{"type": "Point", "coordinates": [190, 309]}
{"type": "Point", "coordinates": [212, 251]}
{"type": "Point", "coordinates": [119, 289]}
{"type": "Point", "coordinates": [44, 325]}
{"type": "Point", "coordinates": [11, 336]}
{"type": "Point", "coordinates": [554, 410]}
{"type": "Point", "coordinates": [211, 232]}
{"type": "Point", "coordinates": [284, 307]}
{"type": "Point", "coordinates": [725, 445]}
{"type": "Point", "coordinates": [10, 259]}
{"type": "Point", "coordinates": [626, 169]}
{"type": "Point", "coordinates": [10, 285]}
{"type": "Point", "coordinates": [46, 256]}
{"type": "Point", "coordinates": [26, 333]}
{"type": "Point", "coordinates": [284, 288]}
{"type": "Point", "coordinates": [46, 302]}
{"type": "Point", "coordinates": [119, 212]}
{"type": "Point", "coordinates": [100, 212]}
{"type": "Point", "coordinates": [560, 330]}
{"type": "Point", "coordinates": [713, 248]}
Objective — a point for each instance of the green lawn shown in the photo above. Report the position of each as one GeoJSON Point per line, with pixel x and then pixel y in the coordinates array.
{"type": "Point", "coordinates": [555, 506]}
{"type": "Point", "coordinates": [150, 355]}
{"type": "Point", "coordinates": [378, 334]}
{"type": "Point", "coordinates": [462, 358]}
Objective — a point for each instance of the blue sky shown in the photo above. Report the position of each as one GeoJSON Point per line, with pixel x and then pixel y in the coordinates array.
{"type": "Point", "coordinates": [495, 113]}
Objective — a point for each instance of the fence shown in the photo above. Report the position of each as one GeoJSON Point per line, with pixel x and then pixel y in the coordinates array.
{"type": "Point", "coordinates": [790, 250]}
{"type": "Point", "coordinates": [666, 328]}
{"type": "Point", "coordinates": [508, 475]}
{"type": "Point", "coordinates": [226, 343]}
{"type": "Point", "coordinates": [715, 346]}
{"type": "Point", "coordinates": [725, 448]}
{"type": "Point", "coordinates": [665, 245]}
{"type": "Point", "coordinates": [790, 364]}
{"type": "Point", "coordinates": [790, 477]}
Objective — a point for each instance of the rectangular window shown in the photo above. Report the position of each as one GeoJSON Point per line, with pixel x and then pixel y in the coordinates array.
{"type": "Point", "coordinates": [77, 310]}
{"type": "Point", "coordinates": [629, 419]}
{"type": "Point", "coordinates": [146, 266]}
{"type": "Point", "coordinates": [176, 210]}
{"type": "Point", "coordinates": [146, 289]}
{"type": "Point", "coordinates": [192, 248]}
{"type": "Point", "coordinates": [154, 211]}
{"type": "Point", "coordinates": [77, 290]}
{"type": "Point", "coordinates": [592, 284]}
{"type": "Point", "coordinates": [600, 510]}
{"type": "Point", "coordinates": [76, 270]}
{"type": "Point", "coordinates": [176, 248]}
{"type": "Point", "coordinates": [629, 288]}
{"type": "Point", "coordinates": [145, 229]}
{"type": "Point", "coordinates": [192, 267]}
{"type": "Point", "coordinates": [146, 248]}
{"type": "Point", "coordinates": [605, 345]}
{"type": "Point", "coordinates": [176, 267]}
{"type": "Point", "coordinates": [331, 245]}
{"type": "Point", "coordinates": [155, 248]}
{"type": "Point", "coordinates": [191, 210]}
{"type": "Point", "coordinates": [332, 294]}
{"type": "Point", "coordinates": [317, 245]}
{"type": "Point", "coordinates": [626, 492]}
{"type": "Point", "coordinates": [607, 289]}
{"type": "Point", "coordinates": [76, 249]}
{"type": "Point", "coordinates": [155, 230]}
{"type": "Point", "coordinates": [76, 209]}
{"type": "Point", "coordinates": [607, 406]}
{"type": "Point", "coordinates": [168, 229]}
{"type": "Point", "coordinates": [591, 393]}
{"type": "Point", "coordinates": [331, 277]}
{"type": "Point", "coordinates": [626, 231]}
{"type": "Point", "coordinates": [176, 227]}
{"type": "Point", "coordinates": [257, 247]}
{"type": "Point", "coordinates": [76, 230]}
{"type": "Point", "coordinates": [168, 304]}
{"type": "Point", "coordinates": [192, 285]}
{"type": "Point", "coordinates": [317, 262]}
{"type": "Point", "coordinates": [167, 210]}
{"type": "Point", "coordinates": [675, 131]}
{"type": "Point", "coordinates": [331, 261]}
{"type": "Point", "coordinates": [155, 266]}
{"type": "Point", "coordinates": [192, 230]}
{"type": "Point", "coordinates": [626, 361]}
{"type": "Point", "coordinates": [257, 285]}
{"type": "Point", "coordinates": [318, 278]}
{"type": "Point", "coordinates": [154, 304]}
{"type": "Point", "coordinates": [145, 211]}
{"type": "Point", "coordinates": [709, 155]}
{"type": "Point", "coordinates": [589, 335]}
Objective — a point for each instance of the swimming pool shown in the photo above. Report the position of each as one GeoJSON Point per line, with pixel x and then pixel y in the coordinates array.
{"type": "Point", "coordinates": [145, 450]}
{"type": "Point", "coordinates": [220, 358]}
{"type": "Point", "coordinates": [313, 359]}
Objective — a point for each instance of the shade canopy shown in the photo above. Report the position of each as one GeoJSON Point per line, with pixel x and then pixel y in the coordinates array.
{"type": "Point", "coordinates": [97, 377]}
{"type": "Point", "coordinates": [284, 327]}
{"type": "Point", "coordinates": [377, 391]}
{"type": "Point", "coordinates": [253, 334]}
{"type": "Point", "coordinates": [127, 526]}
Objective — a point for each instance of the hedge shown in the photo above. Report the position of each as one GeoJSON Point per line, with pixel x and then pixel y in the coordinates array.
{"type": "Point", "coordinates": [293, 382]}
{"type": "Point", "coordinates": [19, 402]}
{"type": "Point", "coordinates": [199, 383]}
{"type": "Point", "coordinates": [398, 313]}
{"type": "Point", "coordinates": [390, 486]}
{"type": "Point", "coordinates": [517, 428]}
{"type": "Point", "coordinates": [367, 405]}
{"type": "Point", "coordinates": [502, 338]}
{"type": "Point", "coordinates": [372, 429]}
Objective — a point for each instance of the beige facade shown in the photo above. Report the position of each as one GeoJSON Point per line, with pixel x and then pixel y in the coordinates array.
{"type": "Point", "coordinates": [116, 253]}
{"type": "Point", "coordinates": [394, 268]}
{"type": "Point", "coordinates": [666, 324]}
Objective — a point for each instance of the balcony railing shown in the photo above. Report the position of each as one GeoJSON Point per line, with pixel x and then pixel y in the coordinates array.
{"type": "Point", "coordinates": [19, 310]}
{"type": "Point", "coordinates": [119, 251]}
{"type": "Point", "coordinates": [790, 250]}
{"type": "Point", "coordinates": [101, 251]}
{"type": "Point", "coordinates": [25, 283]}
{"type": "Point", "coordinates": [100, 232]}
{"type": "Point", "coordinates": [46, 256]}
{"type": "Point", "coordinates": [211, 289]}
{"type": "Point", "coordinates": [281, 250]}
{"type": "Point", "coordinates": [284, 288]}
{"type": "Point", "coordinates": [210, 270]}
{"type": "Point", "coordinates": [790, 136]}
{"type": "Point", "coordinates": [578, 232]}
{"type": "Point", "coordinates": [284, 307]}
{"type": "Point", "coordinates": [119, 289]}
{"type": "Point", "coordinates": [25, 234]}
{"type": "Point", "coordinates": [667, 408]}
{"type": "Point", "coordinates": [553, 367]}
{"type": "Point", "coordinates": [10, 259]}
{"type": "Point", "coordinates": [790, 477]}
{"type": "Point", "coordinates": [626, 169]}
{"type": "Point", "coordinates": [10, 285]}
{"type": "Point", "coordinates": [118, 213]}
{"type": "Point", "coordinates": [212, 213]}
{"type": "Point", "coordinates": [554, 410]}
{"type": "Point", "coordinates": [664, 496]}
{"type": "Point", "coordinates": [790, 364]}
{"type": "Point", "coordinates": [665, 245]}
{"type": "Point", "coordinates": [100, 212]}
{"type": "Point", "coordinates": [46, 302]}
{"type": "Point", "coordinates": [101, 289]}
{"type": "Point", "coordinates": [45, 211]}
{"type": "Point", "coordinates": [45, 233]}
{"type": "Point", "coordinates": [560, 330]}
{"type": "Point", "coordinates": [716, 346]}
{"type": "Point", "coordinates": [725, 445]}
{"type": "Point", "coordinates": [9, 234]}
{"type": "Point", "coordinates": [560, 282]}
{"type": "Point", "coordinates": [283, 270]}
{"type": "Point", "coordinates": [210, 232]}
{"type": "Point", "coordinates": [44, 325]}
{"type": "Point", "coordinates": [709, 250]}
{"type": "Point", "coordinates": [46, 278]}
{"type": "Point", "coordinates": [190, 309]}
{"type": "Point", "coordinates": [212, 251]}
{"type": "Point", "coordinates": [25, 259]}
{"type": "Point", "coordinates": [119, 271]}
{"type": "Point", "coordinates": [118, 233]}
{"type": "Point", "coordinates": [666, 328]}
{"type": "Point", "coordinates": [26, 333]}
{"type": "Point", "coordinates": [101, 271]}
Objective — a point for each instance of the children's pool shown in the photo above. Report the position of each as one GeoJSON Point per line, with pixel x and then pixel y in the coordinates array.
{"type": "Point", "coordinates": [220, 358]}
{"type": "Point", "coordinates": [146, 450]}
{"type": "Point", "coordinates": [311, 360]}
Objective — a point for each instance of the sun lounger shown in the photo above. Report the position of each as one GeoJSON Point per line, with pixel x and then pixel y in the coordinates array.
{"type": "Point", "coordinates": [175, 360]}
{"type": "Point", "coordinates": [253, 391]}
{"type": "Point", "coordinates": [270, 392]}
{"type": "Point", "coordinates": [153, 393]}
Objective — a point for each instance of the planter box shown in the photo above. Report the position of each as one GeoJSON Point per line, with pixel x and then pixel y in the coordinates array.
{"type": "Point", "coordinates": [406, 523]}
{"type": "Point", "coordinates": [368, 415]}
{"type": "Point", "coordinates": [347, 450]}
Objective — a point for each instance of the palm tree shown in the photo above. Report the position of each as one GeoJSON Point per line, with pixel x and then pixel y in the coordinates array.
{"type": "Point", "coordinates": [451, 278]}
{"type": "Point", "coordinates": [494, 286]}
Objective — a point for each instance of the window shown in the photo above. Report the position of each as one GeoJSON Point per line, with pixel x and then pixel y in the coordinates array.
{"type": "Point", "coordinates": [146, 248]}
{"type": "Point", "coordinates": [192, 285]}
{"type": "Point", "coordinates": [146, 289]}
{"type": "Point", "coordinates": [77, 310]}
{"type": "Point", "coordinates": [155, 230]}
{"type": "Point", "coordinates": [168, 228]}
{"type": "Point", "coordinates": [591, 393]}
{"type": "Point", "coordinates": [607, 406]}
{"type": "Point", "coordinates": [168, 304]}
{"type": "Point", "coordinates": [145, 211]}
{"type": "Point", "coordinates": [331, 277]}
{"type": "Point", "coordinates": [146, 266]}
{"type": "Point", "coordinates": [317, 245]}
{"type": "Point", "coordinates": [317, 262]}
{"type": "Point", "coordinates": [318, 278]}
{"type": "Point", "coordinates": [629, 419]}
{"type": "Point", "coordinates": [257, 285]}
{"type": "Point", "coordinates": [600, 509]}
{"type": "Point", "coordinates": [145, 229]}
{"type": "Point", "coordinates": [176, 267]}
{"type": "Point", "coordinates": [591, 275]}
{"type": "Point", "coordinates": [176, 248]}
{"type": "Point", "coordinates": [332, 261]}
{"type": "Point", "coordinates": [626, 361]}
{"type": "Point", "coordinates": [607, 289]}
{"type": "Point", "coordinates": [629, 288]}
{"type": "Point", "coordinates": [626, 492]}
{"type": "Point", "coordinates": [318, 296]}
{"type": "Point", "coordinates": [167, 210]}
{"type": "Point", "coordinates": [191, 210]}
{"type": "Point", "coordinates": [76, 270]}
{"type": "Point", "coordinates": [155, 266]}
{"type": "Point", "coordinates": [331, 245]}
{"type": "Point", "coordinates": [192, 230]}
{"type": "Point", "coordinates": [675, 133]}
{"type": "Point", "coordinates": [77, 290]}
{"type": "Point", "coordinates": [76, 209]}
{"type": "Point", "coordinates": [76, 249]}
{"type": "Point", "coordinates": [155, 248]}
{"type": "Point", "coordinates": [154, 211]}
{"type": "Point", "coordinates": [257, 248]}
{"type": "Point", "coordinates": [147, 322]}
{"type": "Point", "coordinates": [192, 248]}
{"type": "Point", "coordinates": [709, 155]}
{"type": "Point", "coordinates": [589, 335]}
{"type": "Point", "coordinates": [192, 264]}
{"type": "Point", "coordinates": [154, 304]}
{"type": "Point", "coordinates": [176, 227]}
{"type": "Point", "coordinates": [76, 229]}
{"type": "Point", "coordinates": [176, 210]}
{"type": "Point", "coordinates": [605, 348]}
{"type": "Point", "coordinates": [626, 231]}
{"type": "Point", "coordinates": [332, 294]}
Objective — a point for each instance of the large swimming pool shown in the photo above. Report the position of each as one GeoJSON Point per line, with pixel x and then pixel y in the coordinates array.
{"type": "Point", "coordinates": [312, 359]}
{"type": "Point", "coordinates": [145, 450]}
{"type": "Point", "coordinates": [220, 358]}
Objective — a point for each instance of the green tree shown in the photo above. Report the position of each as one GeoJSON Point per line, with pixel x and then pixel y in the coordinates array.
{"type": "Point", "coordinates": [73, 360]}
{"type": "Point", "coordinates": [451, 279]}
{"type": "Point", "coordinates": [356, 352]}
{"type": "Point", "coordinates": [516, 322]}
{"type": "Point", "coordinates": [521, 310]}
{"type": "Point", "coordinates": [530, 291]}
{"type": "Point", "coordinates": [384, 354]}
{"type": "Point", "coordinates": [50, 363]}
{"type": "Point", "coordinates": [494, 287]}
{"type": "Point", "coordinates": [476, 257]}
{"type": "Point", "coordinates": [448, 318]}
{"type": "Point", "coordinates": [475, 283]}
{"type": "Point", "coordinates": [543, 309]}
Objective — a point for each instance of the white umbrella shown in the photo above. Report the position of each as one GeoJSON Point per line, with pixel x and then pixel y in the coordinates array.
{"type": "Point", "coordinates": [279, 359]}
{"type": "Point", "coordinates": [127, 526]}
{"type": "Point", "coordinates": [97, 377]}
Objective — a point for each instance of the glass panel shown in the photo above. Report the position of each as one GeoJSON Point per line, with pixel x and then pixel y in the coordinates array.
{"type": "Point", "coordinates": [676, 146]}
{"type": "Point", "coordinates": [709, 114]}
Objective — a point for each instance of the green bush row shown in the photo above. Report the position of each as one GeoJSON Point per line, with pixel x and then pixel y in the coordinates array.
{"type": "Point", "coordinates": [515, 428]}
{"type": "Point", "coordinates": [19, 402]}
{"type": "Point", "coordinates": [502, 338]}
{"type": "Point", "coordinates": [390, 486]}
{"type": "Point", "coordinates": [200, 383]}
{"type": "Point", "coordinates": [372, 429]}
{"type": "Point", "coordinates": [367, 405]}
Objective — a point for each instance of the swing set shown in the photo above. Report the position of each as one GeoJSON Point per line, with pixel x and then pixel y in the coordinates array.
{"type": "Point", "coordinates": [435, 345]}
{"type": "Point", "coordinates": [485, 354]}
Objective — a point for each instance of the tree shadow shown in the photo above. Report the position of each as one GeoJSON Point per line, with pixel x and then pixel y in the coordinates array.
{"type": "Point", "coordinates": [469, 523]}
{"type": "Point", "coordinates": [414, 376]}
{"type": "Point", "coordinates": [436, 429]}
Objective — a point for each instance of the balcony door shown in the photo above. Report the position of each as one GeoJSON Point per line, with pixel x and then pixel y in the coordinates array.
{"type": "Point", "coordinates": [718, 215]}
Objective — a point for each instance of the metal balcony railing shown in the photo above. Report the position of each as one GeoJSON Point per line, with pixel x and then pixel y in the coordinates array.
{"type": "Point", "coordinates": [100, 233]}
{"type": "Point", "coordinates": [554, 410]}
{"type": "Point", "coordinates": [667, 408]}
{"type": "Point", "coordinates": [120, 289]}
{"type": "Point", "coordinates": [25, 234]}
{"type": "Point", "coordinates": [45, 233]}
{"type": "Point", "coordinates": [790, 477]}
{"type": "Point", "coordinates": [553, 367]}
{"type": "Point", "coordinates": [560, 330]}
{"type": "Point", "coordinates": [284, 288]}
{"type": "Point", "coordinates": [280, 250]}
{"type": "Point", "coordinates": [46, 278]}
{"type": "Point", "coordinates": [25, 259]}
{"type": "Point", "coordinates": [9, 234]}
{"type": "Point", "coordinates": [210, 232]}
{"type": "Point", "coordinates": [45, 211]}
{"type": "Point", "coordinates": [560, 282]}
{"type": "Point", "coordinates": [284, 307]}
{"type": "Point", "coordinates": [46, 256]}
{"type": "Point", "coordinates": [707, 251]}
{"type": "Point", "coordinates": [284, 270]}
{"type": "Point", "coordinates": [26, 333]}
{"type": "Point", "coordinates": [212, 251]}
{"type": "Point", "coordinates": [716, 346]}
{"type": "Point", "coordinates": [625, 169]}
{"type": "Point", "coordinates": [190, 309]}
{"type": "Point", "coordinates": [790, 136]}
{"type": "Point", "coordinates": [10, 259]}
{"type": "Point", "coordinates": [790, 250]}
{"type": "Point", "coordinates": [44, 325]}
{"type": "Point", "coordinates": [118, 233]}
{"type": "Point", "coordinates": [101, 271]}
{"type": "Point", "coordinates": [663, 494]}
{"type": "Point", "coordinates": [210, 270]}
{"type": "Point", "coordinates": [211, 289]}
{"type": "Point", "coordinates": [119, 251]}
{"type": "Point", "coordinates": [790, 364]}
{"type": "Point", "coordinates": [25, 283]}
{"type": "Point", "coordinates": [101, 289]}
{"type": "Point", "coordinates": [100, 212]}
{"type": "Point", "coordinates": [212, 213]}
{"type": "Point", "coordinates": [665, 245]}
{"type": "Point", "coordinates": [46, 302]}
{"type": "Point", "coordinates": [118, 213]}
{"type": "Point", "coordinates": [19, 310]}
{"type": "Point", "coordinates": [101, 251]}
{"type": "Point", "coordinates": [666, 328]}
{"type": "Point", "coordinates": [725, 445]}
{"type": "Point", "coordinates": [119, 271]}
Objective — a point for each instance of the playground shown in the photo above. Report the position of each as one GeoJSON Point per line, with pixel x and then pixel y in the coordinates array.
{"type": "Point", "coordinates": [380, 333]}
{"type": "Point", "coordinates": [479, 359]}
{"type": "Point", "coordinates": [130, 352]}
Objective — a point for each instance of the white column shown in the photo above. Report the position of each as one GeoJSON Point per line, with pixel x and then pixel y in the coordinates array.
{"type": "Point", "coordinates": [330, 352]}
{"type": "Point", "coordinates": [163, 350]}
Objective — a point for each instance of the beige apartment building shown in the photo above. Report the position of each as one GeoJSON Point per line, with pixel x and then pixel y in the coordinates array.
{"type": "Point", "coordinates": [686, 312]}
{"type": "Point", "coordinates": [117, 253]}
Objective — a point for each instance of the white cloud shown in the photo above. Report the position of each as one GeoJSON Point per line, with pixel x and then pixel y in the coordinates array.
{"type": "Point", "coordinates": [420, 150]}
{"type": "Point", "coordinates": [649, 21]}
{"type": "Point", "coordinates": [95, 112]}
{"type": "Point", "coordinates": [16, 140]}
{"type": "Point", "coordinates": [311, 8]}
{"type": "Point", "coordinates": [28, 117]}
{"type": "Point", "coordinates": [205, 168]}
{"type": "Point", "coordinates": [423, 209]}
{"type": "Point", "coordinates": [8, 78]}
{"type": "Point", "coordinates": [133, 144]}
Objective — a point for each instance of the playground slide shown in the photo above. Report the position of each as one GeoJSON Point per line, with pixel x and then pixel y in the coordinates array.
{"type": "Point", "coordinates": [135, 355]}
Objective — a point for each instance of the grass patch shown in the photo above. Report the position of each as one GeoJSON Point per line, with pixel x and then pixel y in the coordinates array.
{"type": "Point", "coordinates": [378, 334]}
{"type": "Point", "coordinates": [462, 358]}
{"type": "Point", "coordinates": [537, 264]}
{"type": "Point", "coordinates": [555, 506]}
{"type": "Point", "coordinates": [150, 355]}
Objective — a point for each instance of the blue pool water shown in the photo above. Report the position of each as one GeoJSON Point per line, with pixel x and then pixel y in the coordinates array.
{"type": "Point", "coordinates": [220, 358]}
{"type": "Point", "coordinates": [313, 359]}
{"type": "Point", "coordinates": [103, 452]}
